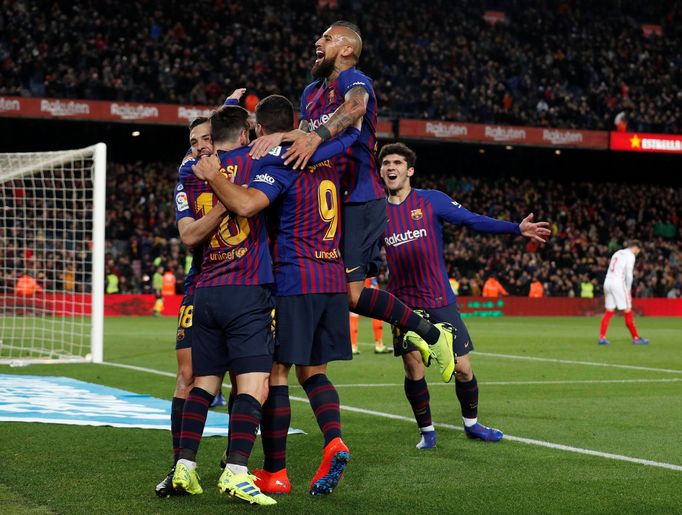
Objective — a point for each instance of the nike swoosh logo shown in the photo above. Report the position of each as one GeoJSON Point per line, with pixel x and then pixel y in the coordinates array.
{"type": "Point", "coordinates": [351, 270]}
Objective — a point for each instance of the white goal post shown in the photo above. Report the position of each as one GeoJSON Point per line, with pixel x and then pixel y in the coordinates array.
{"type": "Point", "coordinates": [52, 222]}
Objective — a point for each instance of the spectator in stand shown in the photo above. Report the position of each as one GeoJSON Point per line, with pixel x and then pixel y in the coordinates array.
{"type": "Point", "coordinates": [493, 288]}
{"type": "Point", "coordinates": [580, 66]}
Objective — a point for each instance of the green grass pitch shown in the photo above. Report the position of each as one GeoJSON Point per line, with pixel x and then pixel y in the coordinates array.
{"type": "Point", "coordinates": [543, 381]}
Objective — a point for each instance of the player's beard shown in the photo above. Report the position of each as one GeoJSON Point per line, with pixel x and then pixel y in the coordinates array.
{"type": "Point", "coordinates": [324, 69]}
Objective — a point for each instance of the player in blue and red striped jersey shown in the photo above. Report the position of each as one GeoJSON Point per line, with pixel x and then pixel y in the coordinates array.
{"type": "Point", "coordinates": [192, 233]}
{"type": "Point", "coordinates": [232, 320]}
{"type": "Point", "coordinates": [310, 289]}
{"type": "Point", "coordinates": [339, 97]}
{"type": "Point", "coordinates": [414, 252]}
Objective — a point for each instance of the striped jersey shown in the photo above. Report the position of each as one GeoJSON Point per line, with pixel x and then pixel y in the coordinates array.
{"type": "Point", "coordinates": [182, 210]}
{"type": "Point", "coordinates": [414, 245]}
{"type": "Point", "coordinates": [237, 252]}
{"type": "Point", "coordinates": [360, 182]}
{"type": "Point", "coordinates": [305, 211]}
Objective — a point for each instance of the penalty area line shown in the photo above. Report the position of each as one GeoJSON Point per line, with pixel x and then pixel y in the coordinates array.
{"type": "Point", "coordinates": [527, 441]}
{"type": "Point", "coordinates": [573, 362]}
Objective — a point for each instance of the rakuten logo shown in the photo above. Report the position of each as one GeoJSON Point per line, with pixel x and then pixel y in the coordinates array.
{"type": "Point", "coordinates": [134, 111]}
{"type": "Point", "coordinates": [190, 113]}
{"type": "Point", "coordinates": [9, 105]}
{"type": "Point", "coordinates": [314, 124]}
{"type": "Point", "coordinates": [504, 133]}
{"type": "Point", "coordinates": [558, 137]}
{"type": "Point", "coordinates": [396, 240]}
{"type": "Point", "coordinates": [446, 130]}
{"type": "Point", "coordinates": [59, 108]}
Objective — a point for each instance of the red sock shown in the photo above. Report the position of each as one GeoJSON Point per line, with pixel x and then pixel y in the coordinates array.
{"type": "Point", "coordinates": [605, 323]}
{"type": "Point", "coordinates": [630, 323]}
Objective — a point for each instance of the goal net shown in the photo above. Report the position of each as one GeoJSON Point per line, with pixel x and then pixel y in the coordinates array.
{"type": "Point", "coordinates": [52, 209]}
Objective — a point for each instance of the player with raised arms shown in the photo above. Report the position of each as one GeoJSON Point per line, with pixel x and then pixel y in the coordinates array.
{"type": "Point", "coordinates": [414, 252]}
{"type": "Point", "coordinates": [339, 97]}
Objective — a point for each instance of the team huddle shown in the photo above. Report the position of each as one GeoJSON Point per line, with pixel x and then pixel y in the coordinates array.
{"type": "Point", "coordinates": [284, 231]}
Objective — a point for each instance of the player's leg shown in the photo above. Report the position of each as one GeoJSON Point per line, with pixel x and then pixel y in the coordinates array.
{"type": "Point", "coordinates": [354, 321]}
{"type": "Point", "coordinates": [363, 227]}
{"type": "Point", "coordinates": [248, 328]}
{"type": "Point", "coordinates": [272, 478]}
{"type": "Point", "coordinates": [329, 341]}
{"type": "Point", "coordinates": [466, 386]}
{"type": "Point", "coordinates": [417, 393]}
{"type": "Point", "coordinates": [378, 330]}
{"type": "Point", "coordinates": [185, 478]}
{"type": "Point", "coordinates": [324, 401]}
{"type": "Point", "coordinates": [184, 381]}
{"type": "Point", "coordinates": [630, 324]}
{"type": "Point", "coordinates": [612, 297]}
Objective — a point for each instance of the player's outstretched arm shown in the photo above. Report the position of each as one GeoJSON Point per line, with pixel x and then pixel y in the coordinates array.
{"type": "Point", "coordinates": [538, 231]}
{"type": "Point", "coordinates": [193, 232]}
{"type": "Point", "coordinates": [347, 114]}
{"type": "Point", "coordinates": [241, 201]}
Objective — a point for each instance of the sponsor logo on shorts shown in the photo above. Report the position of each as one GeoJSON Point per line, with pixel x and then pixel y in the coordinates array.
{"type": "Point", "coordinates": [351, 270]}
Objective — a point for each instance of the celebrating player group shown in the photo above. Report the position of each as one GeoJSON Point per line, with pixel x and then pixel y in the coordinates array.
{"type": "Point", "coordinates": [290, 225]}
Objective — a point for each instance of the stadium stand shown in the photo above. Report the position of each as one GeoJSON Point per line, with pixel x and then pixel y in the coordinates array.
{"type": "Point", "coordinates": [553, 63]}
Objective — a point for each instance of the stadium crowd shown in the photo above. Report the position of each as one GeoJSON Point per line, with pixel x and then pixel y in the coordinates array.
{"type": "Point", "coordinates": [569, 64]}
{"type": "Point", "coordinates": [141, 233]}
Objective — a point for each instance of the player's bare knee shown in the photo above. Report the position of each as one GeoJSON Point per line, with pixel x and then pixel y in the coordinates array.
{"type": "Point", "coordinates": [463, 371]}
{"type": "Point", "coordinates": [354, 292]}
{"type": "Point", "coordinates": [414, 366]}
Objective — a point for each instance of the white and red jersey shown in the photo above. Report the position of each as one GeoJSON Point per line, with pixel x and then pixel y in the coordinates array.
{"type": "Point", "coordinates": [621, 268]}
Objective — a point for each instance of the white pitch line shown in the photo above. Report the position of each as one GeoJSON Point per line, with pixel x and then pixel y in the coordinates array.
{"type": "Point", "coordinates": [572, 362]}
{"type": "Point", "coordinates": [528, 441]}
{"type": "Point", "coordinates": [522, 383]}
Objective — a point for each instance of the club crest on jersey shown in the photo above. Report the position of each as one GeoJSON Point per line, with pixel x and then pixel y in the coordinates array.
{"type": "Point", "coordinates": [416, 214]}
{"type": "Point", "coordinates": [331, 96]}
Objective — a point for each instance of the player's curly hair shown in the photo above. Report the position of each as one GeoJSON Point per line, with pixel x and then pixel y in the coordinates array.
{"type": "Point", "coordinates": [402, 150]}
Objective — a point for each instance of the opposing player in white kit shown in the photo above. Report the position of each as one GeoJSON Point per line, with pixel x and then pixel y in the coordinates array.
{"type": "Point", "coordinates": [617, 287]}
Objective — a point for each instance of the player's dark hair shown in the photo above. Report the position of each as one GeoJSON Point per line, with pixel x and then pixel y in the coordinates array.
{"type": "Point", "coordinates": [275, 114]}
{"type": "Point", "coordinates": [197, 121]}
{"type": "Point", "coordinates": [402, 150]}
{"type": "Point", "coordinates": [635, 243]}
{"type": "Point", "coordinates": [227, 122]}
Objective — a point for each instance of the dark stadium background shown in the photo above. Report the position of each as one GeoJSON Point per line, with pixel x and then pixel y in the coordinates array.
{"type": "Point", "coordinates": [167, 143]}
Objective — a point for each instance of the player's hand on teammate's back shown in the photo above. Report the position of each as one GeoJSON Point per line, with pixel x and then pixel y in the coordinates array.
{"type": "Point", "coordinates": [302, 150]}
{"type": "Point", "coordinates": [261, 146]}
{"type": "Point", "coordinates": [539, 231]}
{"type": "Point", "coordinates": [206, 166]}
